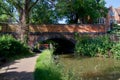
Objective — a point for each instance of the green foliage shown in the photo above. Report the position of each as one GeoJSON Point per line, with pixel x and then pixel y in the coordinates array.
{"type": "Point", "coordinates": [50, 11]}
{"type": "Point", "coordinates": [73, 10]}
{"type": "Point", "coordinates": [7, 11]}
{"type": "Point", "coordinates": [115, 30]}
{"type": "Point", "coordinates": [4, 18]}
{"type": "Point", "coordinates": [116, 51]}
{"type": "Point", "coordinates": [88, 46]}
{"type": "Point", "coordinates": [0, 27]}
{"type": "Point", "coordinates": [46, 68]}
{"type": "Point", "coordinates": [43, 12]}
{"type": "Point", "coordinates": [36, 11]}
{"type": "Point", "coordinates": [10, 47]}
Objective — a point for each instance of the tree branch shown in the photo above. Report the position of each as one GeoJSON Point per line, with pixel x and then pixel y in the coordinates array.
{"type": "Point", "coordinates": [11, 16]}
{"type": "Point", "coordinates": [7, 12]}
{"type": "Point", "coordinates": [32, 5]}
{"type": "Point", "coordinates": [16, 4]}
{"type": "Point", "coordinates": [5, 9]}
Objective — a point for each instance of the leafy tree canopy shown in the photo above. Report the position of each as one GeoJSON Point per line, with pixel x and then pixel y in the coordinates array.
{"type": "Point", "coordinates": [50, 11]}
{"type": "Point", "coordinates": [28, 11]}
{"type": "Point", "coordinates": [86, 11]}
{"type": "Point", "coordinates": [44, 12]}
{"type": "Point", "coordinates": [6, 11]}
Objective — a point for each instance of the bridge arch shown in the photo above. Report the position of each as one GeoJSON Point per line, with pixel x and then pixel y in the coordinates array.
{"type": "Point", "coordinates": [65, 44]}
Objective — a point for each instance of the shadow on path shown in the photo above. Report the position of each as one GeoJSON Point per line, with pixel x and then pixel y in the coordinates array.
{"type": "Point", "coordinates": [16, 76]}
{"type": "Point", "coordinates": [21, 69]}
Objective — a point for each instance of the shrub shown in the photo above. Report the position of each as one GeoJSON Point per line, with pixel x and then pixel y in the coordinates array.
{"type": "Point", "coordinates": [104, 44]}
{"type": "Point", "coordinates": [88, 46]}
{"type": "Point", "coordinates": [116, 51]}
{"type": "Point", "coordinates": [116, 48]}
{"type": "Point", "coordinates": [10, 47]}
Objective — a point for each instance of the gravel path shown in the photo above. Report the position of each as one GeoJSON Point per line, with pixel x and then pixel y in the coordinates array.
{"type": "Point", "coordinates": [19, 69]}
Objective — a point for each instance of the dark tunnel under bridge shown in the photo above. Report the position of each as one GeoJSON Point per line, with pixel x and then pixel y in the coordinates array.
{"type": "Point", "coordinates": [62, 45]}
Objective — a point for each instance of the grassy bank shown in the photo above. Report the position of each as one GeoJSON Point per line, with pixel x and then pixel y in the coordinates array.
{"type": "Point", "coordinates": [45, 68]}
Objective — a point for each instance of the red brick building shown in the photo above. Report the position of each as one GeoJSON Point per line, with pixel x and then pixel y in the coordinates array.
{"type": "Point", "coordinates": [113, 16]}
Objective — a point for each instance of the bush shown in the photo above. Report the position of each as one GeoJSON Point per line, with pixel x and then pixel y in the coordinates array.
{"type": "Point", "coordinates": [10, 47]}
{"type": "Point", "coordinates": [88, 46]}
{"type": "Point", "coordinates": [116, 48]}
{"type": "Point", "coordinates": [116, 51]}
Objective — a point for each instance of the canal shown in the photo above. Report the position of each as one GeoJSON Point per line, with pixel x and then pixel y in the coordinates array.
{"type": "Point", "coordinates": [91, 68]}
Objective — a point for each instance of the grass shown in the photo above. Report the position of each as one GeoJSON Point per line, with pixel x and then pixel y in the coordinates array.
{"type": "Point", "coordinates": [92, 68]}
{"type": "Point", "coordinates": [45, 68]}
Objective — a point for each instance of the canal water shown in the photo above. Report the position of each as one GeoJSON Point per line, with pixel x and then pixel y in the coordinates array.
{"type": "Point", "coordinates": [91, 68]}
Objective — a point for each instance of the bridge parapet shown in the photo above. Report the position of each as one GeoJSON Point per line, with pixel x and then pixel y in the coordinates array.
{"type": "Point", "coordinates": [57, 28]}
{"type": "Point", "coordinates": [68, 28]}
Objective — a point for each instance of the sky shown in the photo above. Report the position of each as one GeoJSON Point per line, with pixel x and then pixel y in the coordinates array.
{"type": "Point", "coordinates": [114, 3]}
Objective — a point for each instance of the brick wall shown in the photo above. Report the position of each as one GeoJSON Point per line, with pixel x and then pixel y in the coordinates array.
{"type": "Point", "coordinates": [58, 28]}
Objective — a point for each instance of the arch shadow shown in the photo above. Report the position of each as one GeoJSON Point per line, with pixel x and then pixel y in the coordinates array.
{"type": "Point", "coordinates": [63, 45]}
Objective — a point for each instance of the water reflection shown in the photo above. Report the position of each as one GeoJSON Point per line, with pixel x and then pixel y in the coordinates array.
{"type": "Point", "coordinates": [91, 68]}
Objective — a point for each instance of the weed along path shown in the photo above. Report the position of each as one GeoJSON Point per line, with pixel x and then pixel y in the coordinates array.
{"type": "Point", "coordinates": [19, 69]}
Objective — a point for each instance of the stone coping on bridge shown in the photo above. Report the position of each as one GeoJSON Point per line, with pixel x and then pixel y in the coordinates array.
{"type": "Point", "coordinates": [71, 28]}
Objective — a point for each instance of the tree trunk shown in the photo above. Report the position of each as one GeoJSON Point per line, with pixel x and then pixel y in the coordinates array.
{"type": "Point", "coordinates": [23, 26]}
{"type": "Point", "coordinates": [24, 21]}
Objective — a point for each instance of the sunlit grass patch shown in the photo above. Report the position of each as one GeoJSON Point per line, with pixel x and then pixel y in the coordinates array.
{"type": "Point", "coordinates": [45, 68]}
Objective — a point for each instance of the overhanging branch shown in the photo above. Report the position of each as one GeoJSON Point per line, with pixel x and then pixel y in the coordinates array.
{"type": "Point", "coordinates": [33, 5]}
{"type": "Point", "coordinates": [15, 3]}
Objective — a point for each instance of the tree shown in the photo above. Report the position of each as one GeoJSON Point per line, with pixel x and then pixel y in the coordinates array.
{"type": "Point", "coordinates": [87, 11]}
{"type": "Point", "coordinates": [23, 9]}
{"type": "Point", "coordinates": [29, 11]}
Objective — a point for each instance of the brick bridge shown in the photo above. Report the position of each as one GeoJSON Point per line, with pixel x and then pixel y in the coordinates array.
{"type": "Point", "coordinates": [60, 33]}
